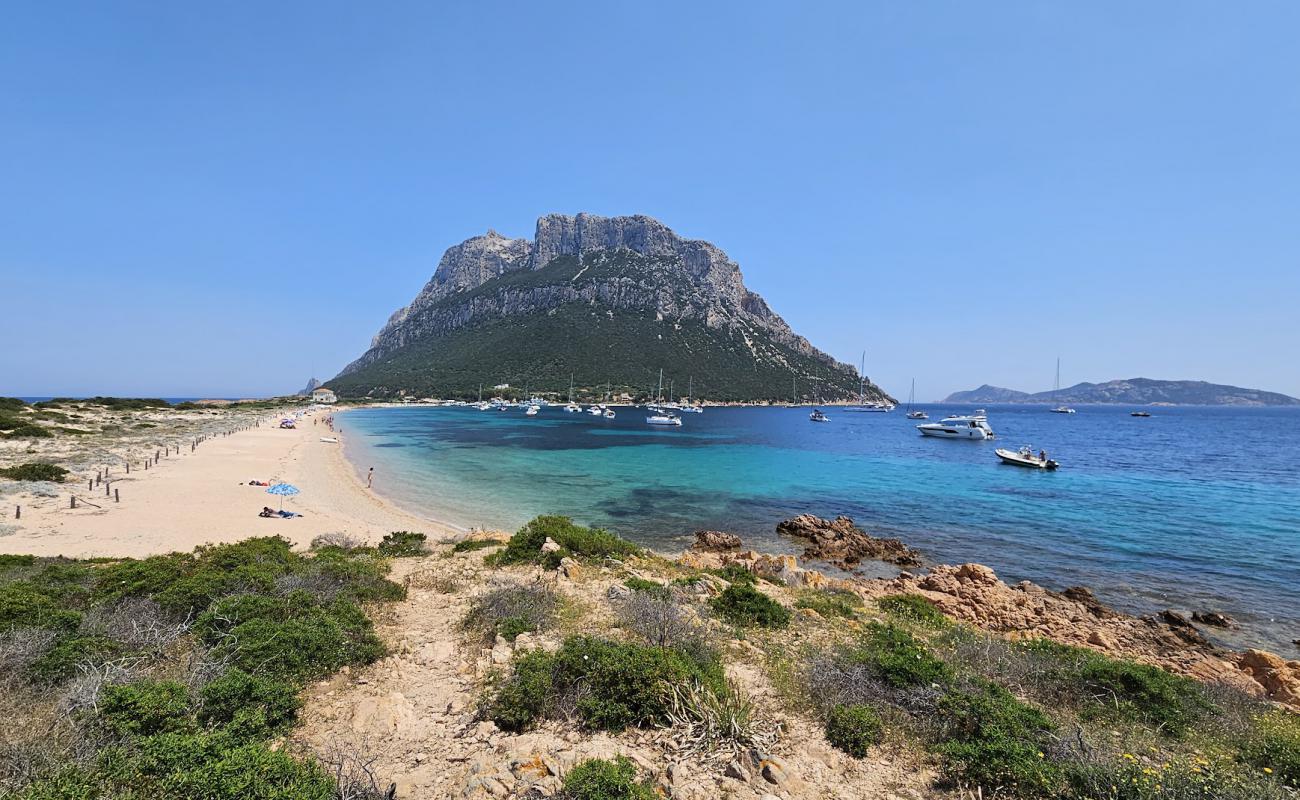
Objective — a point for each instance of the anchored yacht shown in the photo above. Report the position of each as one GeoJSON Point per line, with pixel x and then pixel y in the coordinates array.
{"type": "Point", "coordinates": [973, 427]}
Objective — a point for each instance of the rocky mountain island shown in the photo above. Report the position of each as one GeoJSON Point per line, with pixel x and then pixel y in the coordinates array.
{"type": "Point", "coordinates": [608, 300]}
{"type": "Point", "coordinates": [1134, 391]}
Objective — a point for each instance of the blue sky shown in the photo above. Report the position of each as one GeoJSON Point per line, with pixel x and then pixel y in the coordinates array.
{"type": "Point", "coordinates": [221, 199]}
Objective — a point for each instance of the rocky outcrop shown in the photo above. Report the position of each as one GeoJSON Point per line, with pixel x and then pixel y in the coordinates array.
{"type": "Point", "coordinates": [843, 544]}
{"type": "Point", "coordinates": [1280, 679]}
{"type": "Point", "coordinates": [1133, 391]}
{"type": "Point", "coordinates": [715, 541]}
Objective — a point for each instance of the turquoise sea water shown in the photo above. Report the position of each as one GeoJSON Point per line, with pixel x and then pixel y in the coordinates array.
{"type": "Point", "coordinates": [1192, 508]}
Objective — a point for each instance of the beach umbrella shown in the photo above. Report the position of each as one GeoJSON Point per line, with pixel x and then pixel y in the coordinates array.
{"type": "Point", "coordinates": [283, 490]}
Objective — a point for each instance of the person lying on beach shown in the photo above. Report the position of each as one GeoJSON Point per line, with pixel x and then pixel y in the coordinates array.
{"type": "Point", "coordinates": [289, 514]}
{"type": "Point", "coordinates": [267, 512]}
{"type": "Point", "coordinates": [258, 483]}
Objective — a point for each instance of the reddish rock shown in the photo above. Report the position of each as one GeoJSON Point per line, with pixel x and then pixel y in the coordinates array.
{"type": "Point", "coordinates": [1280, 679]}
{"type": "Point", "coordinates": [715, 541]}
{"type": "Point", "coordinates": [843, 544]}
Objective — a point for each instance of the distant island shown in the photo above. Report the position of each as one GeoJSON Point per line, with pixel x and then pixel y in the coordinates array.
{"type": "Point", "coordinates": [1134, 391]}
{"type": "Point", "coordinates": [596, 306]}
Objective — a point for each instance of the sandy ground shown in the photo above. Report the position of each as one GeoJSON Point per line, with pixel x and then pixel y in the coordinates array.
{"type": "Point", "coordinates": [192, 499]}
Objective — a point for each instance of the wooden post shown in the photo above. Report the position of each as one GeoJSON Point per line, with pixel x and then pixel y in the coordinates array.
{"type": "Point", "coordinates": [90, 486]}
{"type": "Point", "coordinates": [106, 489]}
{"type": "Point", "coordinates": [117, 497]}
{"type": "Point", "coordinates": [18, 512]}
{"type": "Point", "coordinates": [74, 501]}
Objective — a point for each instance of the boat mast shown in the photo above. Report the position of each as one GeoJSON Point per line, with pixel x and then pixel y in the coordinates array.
{"type": "Point", "coordinates": [862, 380]}
{"type": "Point", "coordinates": [659, 392]}
{"type": "Point", "coordinates": [690, 391]}
{"type": "Point", "coordinates": [911, 397]}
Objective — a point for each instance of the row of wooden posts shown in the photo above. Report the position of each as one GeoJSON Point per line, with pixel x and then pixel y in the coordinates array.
{"type": "Point", "coordinates": [101, 476]}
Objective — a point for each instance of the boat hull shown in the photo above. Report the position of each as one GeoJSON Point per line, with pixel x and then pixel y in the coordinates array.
{"type": "Point", "coordinates": [1017, 460]}
{"type": "Point", "coordinates": [944, 432]}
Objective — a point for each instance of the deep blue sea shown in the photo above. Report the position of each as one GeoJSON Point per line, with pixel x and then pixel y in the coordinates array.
{"type": "Point", "coordinates": [1193, 508]}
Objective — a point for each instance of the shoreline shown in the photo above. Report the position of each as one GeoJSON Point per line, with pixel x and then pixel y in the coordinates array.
{"type": "Point", "coordinates": [203, 497]}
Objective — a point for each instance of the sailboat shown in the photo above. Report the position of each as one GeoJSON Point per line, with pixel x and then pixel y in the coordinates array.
{"type": "Point", "coordinates": [911, 398]}
{"type": "Point", "coordinates": [1061, 409]}
{"type": "Point", "coordinates": [572, 407]}
{"type": "Point", "coordinates": [690, 406]}
{"type": "Point", "coordinates": [863, 405]}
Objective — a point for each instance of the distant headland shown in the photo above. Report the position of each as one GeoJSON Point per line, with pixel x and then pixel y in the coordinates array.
{"type": "Point", "coordinates": [1133, 391]}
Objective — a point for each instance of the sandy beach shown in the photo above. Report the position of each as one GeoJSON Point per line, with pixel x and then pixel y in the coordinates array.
{"type": "Point", "coordinates": [195, 498]}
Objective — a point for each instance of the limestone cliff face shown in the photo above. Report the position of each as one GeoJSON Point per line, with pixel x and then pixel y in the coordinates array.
{"type": "Point", "coordinates": [692, 280]}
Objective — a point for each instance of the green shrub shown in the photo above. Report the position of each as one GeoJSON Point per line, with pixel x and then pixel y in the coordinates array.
{"type": "Point", "coordinates": [512, 610]}
{"type": "Point", "coordinates": [24, 430]}
{"type": "Point", "coordinates": [574, 540]}
{"type": "Point", "coordinates": [735, 573]}
{"type": "Point", "coordinates": [993, 741]}
{"type": "Point", "coordinates": [853, 729]}
{"type": "Point", "coordinates": [600, 779]}
{"type": "Point", "coordinates": [23, 605]}
{"type": "Point", "coordinates": [522, 699]}
{"type": "Point", "coordinates": [1137, 691]}
{"type": "Point", "coordinates": [35, 471]}
{"type": "Point", "coordinates": [216, 766]}
{"type": "Point", "coordinates": [1274, 744]}
{"type": "Point", "coordinates": [831, 603]}
{"type": "Point", "coordinates": [292, 637]}
{"type": "Point", "coordinates": [898, 658]}
{"type": "Point", "coordinates": [648, 587]}
{"type": "Point", "coordinates": [231, 697]}
{"type": "Point", "coordinates": [470, 545]}
{"type": "Point", "coordinates": [12, 404]}
{"type": "Point", "coordinates": [1176, 779]}
{"type": "Point", "coordinates": [146, 708]}
{"type": "Point", "coordinates": [916, 608]}
{"type": "Point", "coordinates": [615, 684]}
{"type": "Point", "coordinates": [401, 544]}
{"type": "Point", "coordinates": [742, 604]}
{"type": "Point", "coordinates": [144, 578]}
{"type": "Point", "coordinates": [61, 660]}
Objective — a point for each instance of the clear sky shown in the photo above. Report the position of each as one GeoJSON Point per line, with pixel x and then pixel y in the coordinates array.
{"type": "Point", "coordinates": [222, 199]}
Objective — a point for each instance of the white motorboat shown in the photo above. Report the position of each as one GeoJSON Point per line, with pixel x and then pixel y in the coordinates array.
{"type": "Point", "coordinates": [1139, 413]}
{"type": "Point", "coordinates": [1024, 457]}
{"type": "Point", "coordinates": [329, 439]}
{"type": "Point", "coordinates": [533, 410]}
{"type": "Point", "coordinates": [573, 408]}
{"type": "Point", "coordinates": [818, 416]}
{"type": "Point", "coordinates": [973, 427]}
{"type": "Point", "coordinates": [661, 418]}
{"type": "Point", "coordinates": [609, 413]}
{"type": "Point", "coordinates": [880, 408]}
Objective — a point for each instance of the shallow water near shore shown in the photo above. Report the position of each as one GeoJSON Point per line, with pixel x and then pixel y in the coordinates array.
{"type": "Point", "coordinates": [1192, 508]}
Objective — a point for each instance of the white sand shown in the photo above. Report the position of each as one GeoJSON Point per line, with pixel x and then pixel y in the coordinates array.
{"type": "Point", "coordinates": [193, 499]}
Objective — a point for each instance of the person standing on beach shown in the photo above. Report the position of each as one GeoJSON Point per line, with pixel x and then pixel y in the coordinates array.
{"type": "Point", "coordinates": [370, 477]}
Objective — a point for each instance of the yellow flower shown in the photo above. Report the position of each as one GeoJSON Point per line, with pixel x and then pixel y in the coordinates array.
{"type": "Point", "coordinates": [1268, 771]}
{"type": "Point", "coordinates": [1129, 756]}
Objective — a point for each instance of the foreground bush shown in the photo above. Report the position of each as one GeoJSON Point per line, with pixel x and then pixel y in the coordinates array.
{"type": "Point", "coordinates": [35, 471]}
{"type": "Point", "coordinates": [1274, 744]}
{"type": "Point", "coordinates": [608, 685]}
{"type": "Point", "coordinates": [508, 611]}
{"type": "Point", "coordinates": [914, 607]}
{"type": "Point", "coordinates": [237, 628]}
{"type": "Point", "coordinates": [853, 729]}
{"type": "Point", "coordinates": [402, 544]}
{"type": "Point", "coordinates": [993, 742]}
{"type": "Point", "coordinates": [898, 658]}
{"type": "Point", "coordinates": [525, 547]}
{"type": "Point", "coordinates": [600, 779]}
{"type": "Point", "coordinates": [1182, 778]}
{"type": "Point", "coordinates": [742, 604]}
{"type": "Point", "coordinates": [831, 603]}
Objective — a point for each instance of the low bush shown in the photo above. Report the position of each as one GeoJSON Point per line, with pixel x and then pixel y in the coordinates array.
{"type": "Point", "coordinates": [831, 603]}
{"type": "Point", "coordinates": [525, 547]}
{"type": "Point", "coordinates": [20, 429]}
{"type": "Point", "coordinates": [293, 637]}
{"type": "Point", "coordinates": [897, 657]}
{"type": "Point", "coordinates": [23, 604]}
{"type": "Point", "coordinates": [660, 620]}
{"type": "Point", "coordinates": [914, 607]}
{"type": "Point", "coordinates": [35, 471]}
{"type": "Point", "coordinates": [508, 611]}
{"type": "Point", "coordinates": [647, 587]}
{"type": "Point", "coordinates": [145, 708]}
{"type": "Point", "coordinates": [1169, 702]}
{"type": "Point", "coordinates": [240, 698]}
{"type": "Point", "coordinates": [735, 573]}
{"type": "Point", "coordinates": [470, 545]}
{"type": "Point", "coordinates": [69, 653]}
{"type": "Point", "coordinates": [601, 779]}
{"type": "Point", "coordinates": [742, 604]}
{"type": "Point", "coordinates": [402, 544]}
{"type": "Point", "coordinates": [608, 685]}
{"type": "Point", "coordinates": [853, 729]}
{"type": "Point", "coordinates": [1274, 744]}
{"type": "Point", "coordinates": [992, 742]}
{"type": "Point", "coordinates": [1197, 778]}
